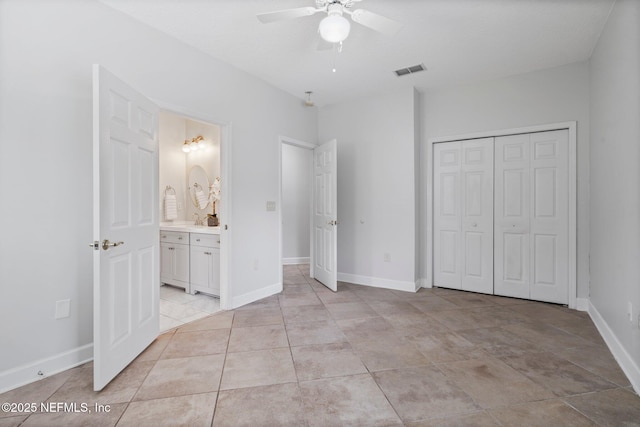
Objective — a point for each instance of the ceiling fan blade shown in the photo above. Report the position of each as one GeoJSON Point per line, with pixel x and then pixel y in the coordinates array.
{"type": "Point", "coordinates": [376, 22]}
{"type": "Point", "coordinates": [282, 15]}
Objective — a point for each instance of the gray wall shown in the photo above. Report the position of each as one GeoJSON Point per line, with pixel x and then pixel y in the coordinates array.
{"type": "Point", "coordinates": [548, 96]}
{"type": "Point", "coordinates": [296, 202]}
{"type": "Point", "coordinates": [46, 53]}
{"type": "Point", "coordinates": [615, 176]}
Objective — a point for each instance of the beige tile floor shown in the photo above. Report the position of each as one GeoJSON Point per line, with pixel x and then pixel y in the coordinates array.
{"type": "Point", "coordinates": [359, 357]}
{"type": "Point", "coordinates": [178, 307]}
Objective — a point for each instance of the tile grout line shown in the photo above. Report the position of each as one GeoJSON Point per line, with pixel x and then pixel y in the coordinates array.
{"type": "Point", "coordinates": [224, 362]}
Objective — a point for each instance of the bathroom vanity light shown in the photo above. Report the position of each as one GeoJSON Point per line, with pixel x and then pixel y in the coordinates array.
{"type": "Point", "coordinates": [197, 143]}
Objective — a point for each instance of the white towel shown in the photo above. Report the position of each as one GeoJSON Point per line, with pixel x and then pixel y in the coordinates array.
{"type": "Point", "coordinates": [202, 199]}
{"type": "Point", "coordinates": [170, 207]}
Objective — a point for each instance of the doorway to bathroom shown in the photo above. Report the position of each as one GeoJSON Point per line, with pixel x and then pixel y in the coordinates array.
{"type": "Point", "coordinates": [191, 202]}
{"type": "Point", "coordinates": [126, 225]}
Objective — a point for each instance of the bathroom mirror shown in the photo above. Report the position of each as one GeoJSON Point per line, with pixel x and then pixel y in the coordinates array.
{"type": "Point", "coordinates": [199, 187]}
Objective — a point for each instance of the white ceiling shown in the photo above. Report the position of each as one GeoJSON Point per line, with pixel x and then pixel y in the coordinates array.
{"type": "Point", "coordinates": [459, 41]}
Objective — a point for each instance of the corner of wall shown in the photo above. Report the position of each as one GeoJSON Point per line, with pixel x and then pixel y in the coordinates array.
{"type": "Point", "coordinates": [624, 359]}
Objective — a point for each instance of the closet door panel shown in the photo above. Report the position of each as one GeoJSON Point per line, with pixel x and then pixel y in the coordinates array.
{"type": "Point", "coordinates": [512, 206]}
{"type": "Point", "coordinates": [477, 215]}
{"type": "Point", "coordinates": [549, 216]}
{"type": "Point", "coordinates": [447, 216]}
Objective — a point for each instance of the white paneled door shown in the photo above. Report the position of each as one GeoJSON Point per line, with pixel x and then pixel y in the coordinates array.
{"type": "Point", "coordinates": [447, 219]}
{"type": "Point", "coordinates": [325, 214]}
{"type": "Point", "coordinates": [477, 215]}
{"type": "Point", "coordinates": [532, 216]}
{"type": "Point", "coordinates": [126, 243]}
{"type": "Point", "coordinates": [463, 215]}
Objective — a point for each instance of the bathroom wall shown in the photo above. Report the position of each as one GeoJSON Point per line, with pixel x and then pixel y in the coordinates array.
{"type": "Point", "coordinates": [209, 159]}
{"type": "Point", "coordinates": [175, 164]}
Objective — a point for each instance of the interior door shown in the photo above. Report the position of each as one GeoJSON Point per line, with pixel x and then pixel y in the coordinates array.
{"type": "Point", "coordinates": [447, 223]}
{"type": "Point", "coordinates": [512, 200]}
{"type": "Point", "coordinates": [532, 216]}
{"type": "Point", "coordinates": [550, 216]}
{"type": "Point", "coordinates": [477, 215]}
{"type": "Point", "coordinates": [325, 214]}
{"type": "Point", "coordinates": [126, 238]}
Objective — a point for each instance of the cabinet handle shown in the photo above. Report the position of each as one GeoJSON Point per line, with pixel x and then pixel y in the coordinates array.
{"type": "Point", "coordinates": [164, 237]}
{"type": "Point", "coordinates": [179, 238]}
{"type": "Point", "coordinates": [197, 240]}
{"type": "Point", "coordinates": [218, 241]}
{"type": "Point", "coordinates": [207, 253]}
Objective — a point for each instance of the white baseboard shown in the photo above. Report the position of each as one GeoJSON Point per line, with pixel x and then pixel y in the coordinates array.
{"type": "Point", "coordinates": [26, 374]}
{"type": "Point", "coordinates": [252, 296]}
{"type": "Point", "coordinates": [294, 261]}
{"type": "Point", "coordinates": [423, 283]}
{"type": "Point", "coordinates": [582, 304]}
{"type": "Point", "coordinates": [623, 358]}
{"type": "Point", "coordinates": [377, 282]}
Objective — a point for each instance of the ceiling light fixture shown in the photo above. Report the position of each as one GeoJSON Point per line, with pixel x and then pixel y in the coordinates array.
{"type": "Point", "coordinates": [335, 27]}
{"type": "Point", "coordinates": [308, 102]}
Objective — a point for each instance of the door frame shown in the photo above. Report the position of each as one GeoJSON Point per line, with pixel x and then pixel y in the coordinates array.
{"type": "Point", "coordinates": [225, 191]}
{"type": "Point", "coordinates": [571, 127]}
{"type": "Point", "coordinates": [308, 146]}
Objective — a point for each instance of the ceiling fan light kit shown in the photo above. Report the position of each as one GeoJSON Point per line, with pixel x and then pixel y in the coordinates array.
{"type": "Point", "coordinates": [335, 28]}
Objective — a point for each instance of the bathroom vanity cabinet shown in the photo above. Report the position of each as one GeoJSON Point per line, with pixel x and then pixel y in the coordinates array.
{"type": "Point", "coordinates": [205, 263]}
{"type": "Point", "coordinates": [190, 258]}
{"type": "Point", "coordinates": [174, 259]}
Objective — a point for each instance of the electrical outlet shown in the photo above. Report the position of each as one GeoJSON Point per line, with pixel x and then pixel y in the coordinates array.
{"type": "Point", "coordinates": [271, 206]}
{"type": "Point", "coordinates": [256, 264]}
{"type": "Point", "coordinates": [63, 307]}
{"type": "Point", "coordinates": [179, 206]}
{"type": "Point", "coordinates": [387, 257]}
{"type": "Point", "coordinates": [630, 311]}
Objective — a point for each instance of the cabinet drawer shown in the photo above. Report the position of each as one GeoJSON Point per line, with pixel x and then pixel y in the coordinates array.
{"type": "Point", "coordinates": [208, 240]}
{"type": "Point", "coordinates": [174, 237]}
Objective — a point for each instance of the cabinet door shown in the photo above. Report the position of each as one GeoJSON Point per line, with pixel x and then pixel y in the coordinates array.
{"type": "Point", "coordinates": [181, 263]}
{"type": "Point", "coordinates": [214, 271]}
{"type": "Point", "coordinates": [199, 267]}
{"type": "Point", "coordinates": [166, 261]}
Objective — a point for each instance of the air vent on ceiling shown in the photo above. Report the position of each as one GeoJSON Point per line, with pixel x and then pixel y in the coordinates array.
{"type": "Point", "coordinates": [410, 70]}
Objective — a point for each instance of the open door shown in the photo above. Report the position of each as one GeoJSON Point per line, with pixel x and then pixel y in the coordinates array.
{"type": "Point", "coordinates": [125, 217]}
{"type": "Point", "coordinates": [325, 214]}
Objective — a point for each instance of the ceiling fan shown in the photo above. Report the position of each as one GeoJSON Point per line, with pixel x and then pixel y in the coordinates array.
{"type": "Point", "coordinates": [335, 28]}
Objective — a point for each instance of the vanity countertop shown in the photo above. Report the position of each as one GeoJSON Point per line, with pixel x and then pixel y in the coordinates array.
{"type": "Point", "coordinates": [190, 228]}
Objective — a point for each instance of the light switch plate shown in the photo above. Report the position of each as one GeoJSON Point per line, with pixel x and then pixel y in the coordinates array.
{"type": "Point", "coordinates": [271, 206]}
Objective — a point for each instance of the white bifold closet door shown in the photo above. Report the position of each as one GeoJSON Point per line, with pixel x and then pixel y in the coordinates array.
{"type": "Point", "coordinates": [531, 216]}
{"type": "Point", "coordinates": [463, 215]}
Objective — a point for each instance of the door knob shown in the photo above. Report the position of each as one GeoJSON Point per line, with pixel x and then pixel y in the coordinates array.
{"type": "Point", "coordinates": [106, 244]}
{"type": "Point", "coordinates": [474, 224]}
